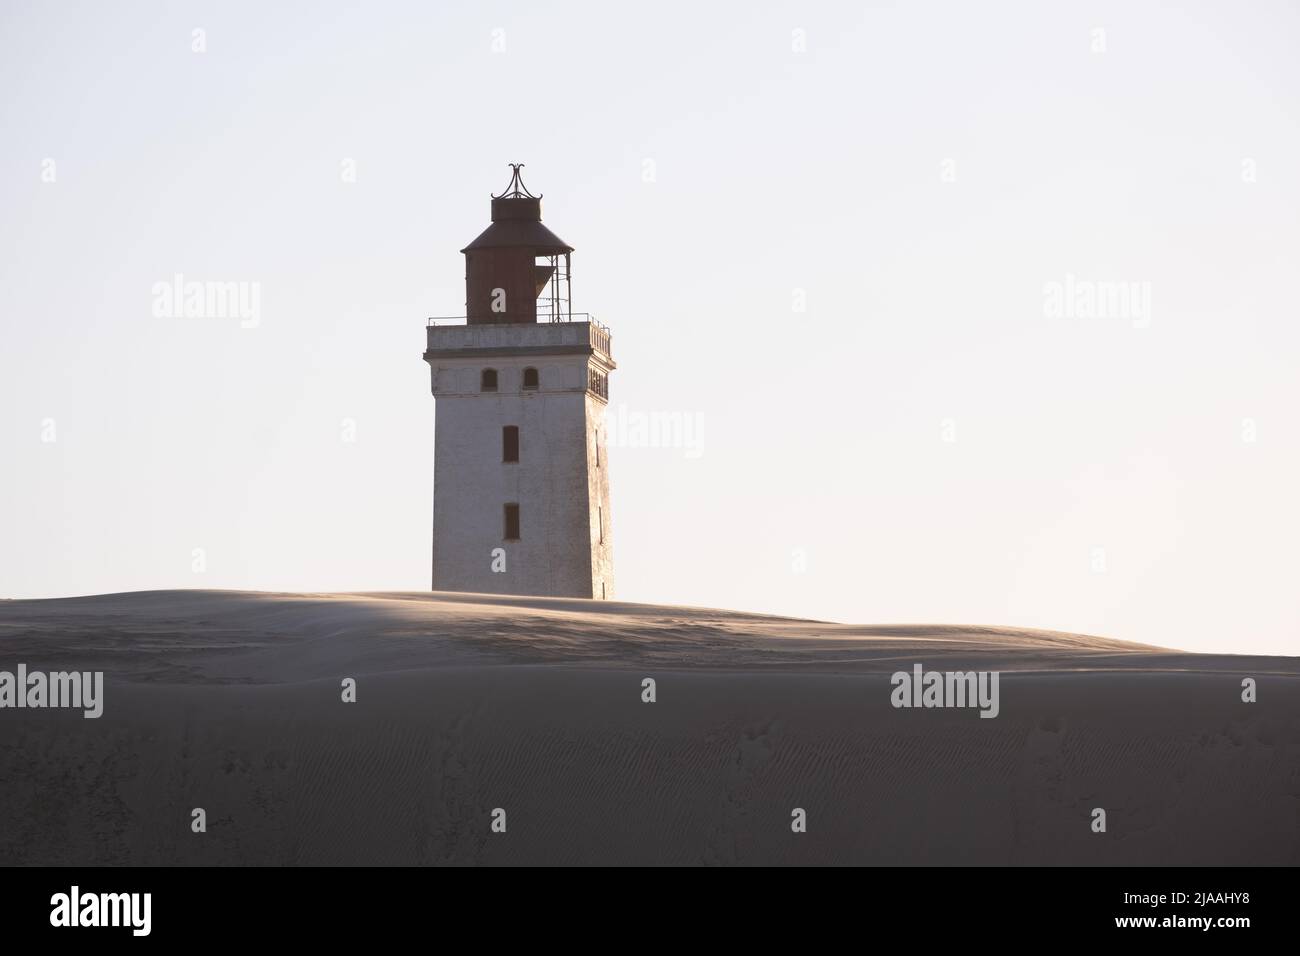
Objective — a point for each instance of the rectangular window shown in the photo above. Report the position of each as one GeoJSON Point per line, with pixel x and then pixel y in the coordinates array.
{"type": "Point", "coordinates": [600, 523]}
{"type": "Point", "coordinates": [510, 443]}
{"type": "Point", "coordinates": [512, 522]}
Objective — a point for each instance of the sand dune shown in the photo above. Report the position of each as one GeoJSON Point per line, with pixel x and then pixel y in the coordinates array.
{"type": "Point", "coordinates": [230, 701]}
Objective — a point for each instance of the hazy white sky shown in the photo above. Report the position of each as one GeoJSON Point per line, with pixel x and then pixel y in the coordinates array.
{"type": "Point", "coordinates": [835, 251]}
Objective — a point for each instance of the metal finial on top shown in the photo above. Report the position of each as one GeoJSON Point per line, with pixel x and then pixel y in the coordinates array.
{"type": "Point", "coordinates": [516, 189]}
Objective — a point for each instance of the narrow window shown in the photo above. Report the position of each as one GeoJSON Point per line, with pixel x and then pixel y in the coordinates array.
{"type": "Point", "coordinates": [510, 443]}
{"type": "Point", "coordinates": [600, 523]}
{"type": "Point", "coordinates": [597, 449]}
{"type": "Point", "coordinates": [512, 522]}
{"type": "Point", "coordinates": [530, 378]}
{"type": "Point", "coordinates": [488, 381]}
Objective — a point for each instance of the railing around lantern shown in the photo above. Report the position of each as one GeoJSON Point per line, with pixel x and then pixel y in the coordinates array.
{"type": "Point", "coordinates": [600, 336]}
{"type": "Point", "coordinates": [540, 319]}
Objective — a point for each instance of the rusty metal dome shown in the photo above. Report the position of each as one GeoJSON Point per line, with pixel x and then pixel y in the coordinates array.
{"type": "Point", "coordinates": [517, 222]}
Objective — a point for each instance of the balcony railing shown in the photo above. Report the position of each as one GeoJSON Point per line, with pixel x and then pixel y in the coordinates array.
{"type": "Point", "coordinates": [539, 319]}
{"type": "Point", "coordinates": [597, 335]}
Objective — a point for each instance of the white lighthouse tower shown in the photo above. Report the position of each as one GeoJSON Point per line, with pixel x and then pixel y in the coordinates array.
{"type": "Point", "coordinates": [521, 486]}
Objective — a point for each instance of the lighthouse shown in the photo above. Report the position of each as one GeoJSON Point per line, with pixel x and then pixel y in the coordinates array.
{"type": "Point", "coordinates": [520, 386]}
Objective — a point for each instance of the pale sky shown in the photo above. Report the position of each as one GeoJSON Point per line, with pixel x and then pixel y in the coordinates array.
{"type": "Point", "coordinates": [827, 234]}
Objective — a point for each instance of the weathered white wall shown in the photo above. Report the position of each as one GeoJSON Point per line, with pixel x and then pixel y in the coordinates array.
{"type": "Point", "coordinates": [563, 495]}
{"type": "Point", "coordinates": [602, 547]}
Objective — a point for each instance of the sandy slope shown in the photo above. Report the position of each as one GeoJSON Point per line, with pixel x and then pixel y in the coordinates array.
{"type": "Point", "coordinates": [230, 701]}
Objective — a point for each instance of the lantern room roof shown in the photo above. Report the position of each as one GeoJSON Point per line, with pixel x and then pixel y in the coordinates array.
{"type": "Point", "coordinates": [517, 222]}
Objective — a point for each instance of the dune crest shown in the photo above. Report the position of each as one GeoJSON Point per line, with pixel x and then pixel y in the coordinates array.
{"type": "Point", "coordinates": [459, 705]}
